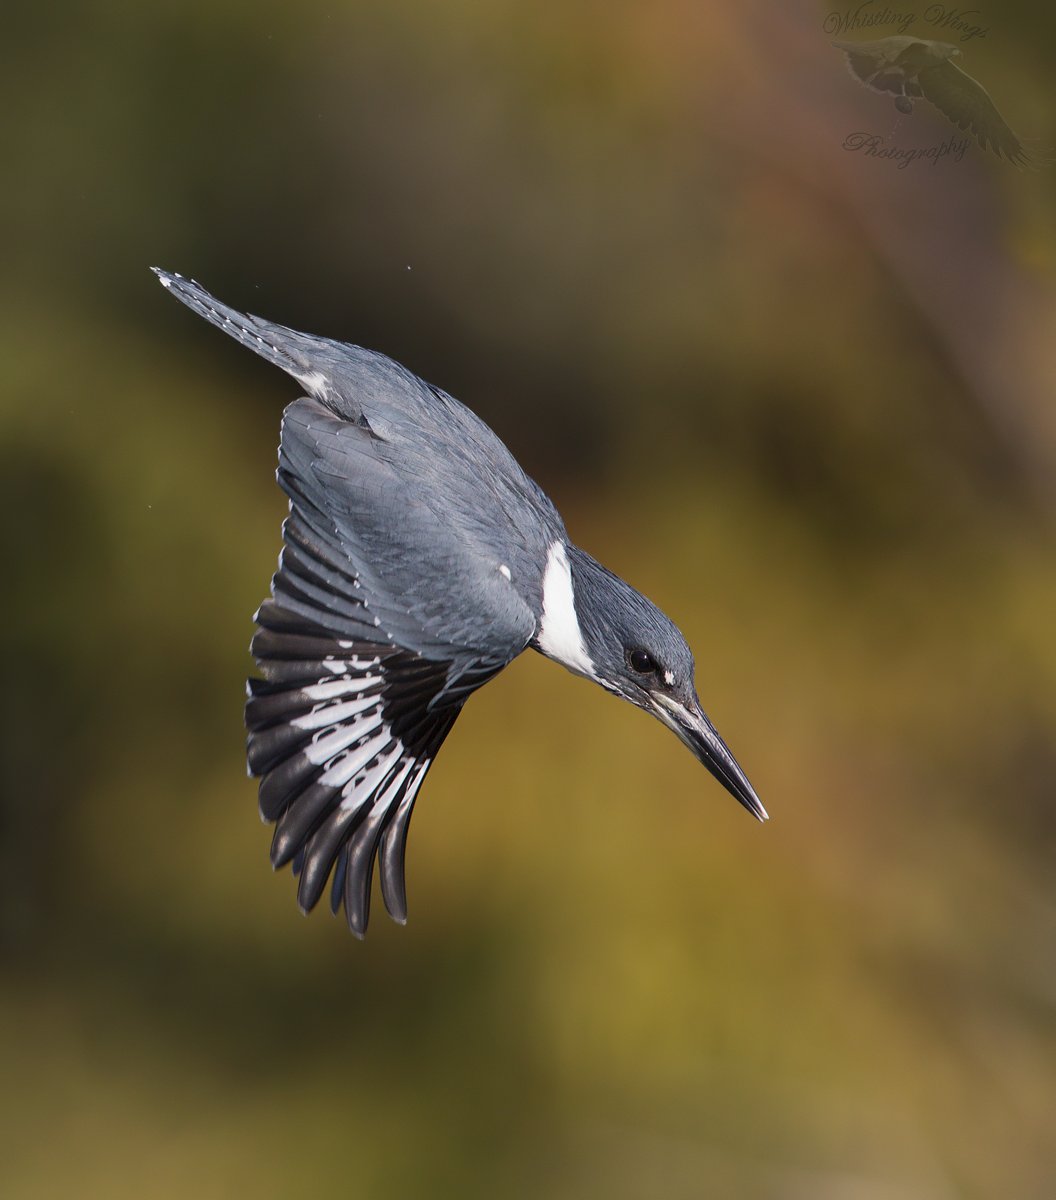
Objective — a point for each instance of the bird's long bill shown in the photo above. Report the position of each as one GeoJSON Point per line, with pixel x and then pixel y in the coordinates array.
{"type": "Point", "coordinates": [693, 727]}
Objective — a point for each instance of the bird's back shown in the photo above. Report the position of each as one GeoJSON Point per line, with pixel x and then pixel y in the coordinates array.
{"type": "Point", "coordinates": [398, 441]}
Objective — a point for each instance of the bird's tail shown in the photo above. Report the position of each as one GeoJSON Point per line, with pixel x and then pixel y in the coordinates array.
{"type": "Point", "coordinates": [284, 348]}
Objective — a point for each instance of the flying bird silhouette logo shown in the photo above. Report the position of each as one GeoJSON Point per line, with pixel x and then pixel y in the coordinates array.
{"type": "Point", "coordinates": [911, 69]}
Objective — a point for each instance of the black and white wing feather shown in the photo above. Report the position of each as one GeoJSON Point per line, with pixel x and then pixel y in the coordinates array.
{"type": "Point", "coordinates": [342, 735]}
{"type": "Point", "coordinates": [362, 679]}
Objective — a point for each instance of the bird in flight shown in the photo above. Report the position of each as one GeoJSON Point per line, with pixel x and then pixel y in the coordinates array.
{"type": "Point", "coordinates": [911, 69]}
{"type": "Point", "coordinates": [418, 560]}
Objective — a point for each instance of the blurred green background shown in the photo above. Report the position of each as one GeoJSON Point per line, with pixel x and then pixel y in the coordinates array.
{"type": "Point", "coordinates": [802, 398]}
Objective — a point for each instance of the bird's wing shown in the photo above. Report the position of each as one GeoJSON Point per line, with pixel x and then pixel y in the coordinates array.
{"type": "Point", "coordinates": [881, 65]}
{"type": "Point", "coordinates": [968, 105]}
{"type": "Point", "coordinates": [341, 734]}
{"type": "Point", "coordinates": [863, 61]}
{"type": "Point", "coordinates": [381, 624]}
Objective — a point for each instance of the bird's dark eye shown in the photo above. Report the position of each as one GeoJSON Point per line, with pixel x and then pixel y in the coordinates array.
{"type": "Point", "coordinates": [642, 662]}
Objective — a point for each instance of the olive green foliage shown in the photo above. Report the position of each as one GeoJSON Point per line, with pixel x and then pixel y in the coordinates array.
{"type": "Point", "coordinates": [800, 398]}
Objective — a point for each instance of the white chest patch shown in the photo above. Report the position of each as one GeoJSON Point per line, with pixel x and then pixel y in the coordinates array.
{"type": "Point", "coordinates": [560, 636]}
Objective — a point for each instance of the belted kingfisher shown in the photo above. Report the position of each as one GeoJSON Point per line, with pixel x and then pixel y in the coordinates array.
{"type": "Point", "coordinates": [418, 560]}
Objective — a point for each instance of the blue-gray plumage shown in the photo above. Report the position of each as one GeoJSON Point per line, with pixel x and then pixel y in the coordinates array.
{"type": "Point", "coordinates": [418, 561]}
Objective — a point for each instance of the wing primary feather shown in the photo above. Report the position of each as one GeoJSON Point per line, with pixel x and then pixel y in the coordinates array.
{"type": "Point", "coordinates": [280, 787]}
{"type": "Point", "coordinates": [360, 870]}
{"type": "Point", "coordinates": [390, 796]}
{"type": "Point", "coordinates": [296, 818]}
{"type": "Point", "coordinates": [337, 887]}
{"type": "Point", "coordinates": [265, 708]}
{"type": "Point", "coordinates": [272, 615]}
{"type": "Point", "coordinates": [308, 567]}
{"type": "Point", "coordinates": [392, 853]}
{"type": "Point", "coordinates": [322, 850]}
{"type": "Point", "coordinates": [319, 603]}
{"type": "Point", "coordinates": [320, 547]}
{"type": "Point", "coordinates": [271, 644]}
{"type": "Point", "coordinates": [268, 747]}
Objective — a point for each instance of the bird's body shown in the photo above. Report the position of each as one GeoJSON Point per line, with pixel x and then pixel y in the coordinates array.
{"type": "Point", "coordinates": [910, 68]}
{"type": "Point", "coordinates": [419, 559]}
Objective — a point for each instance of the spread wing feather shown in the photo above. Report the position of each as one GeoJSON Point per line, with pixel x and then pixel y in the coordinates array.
{"type": "Point", "coordinates": [357, 692]}
{"type": "Point", "coordinates": [968, 105]}
{"type": "Point", "coordinates": [341, 736]}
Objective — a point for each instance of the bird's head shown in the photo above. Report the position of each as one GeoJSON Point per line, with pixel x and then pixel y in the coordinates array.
{"type": "Point", "coordinates": [633, 649]}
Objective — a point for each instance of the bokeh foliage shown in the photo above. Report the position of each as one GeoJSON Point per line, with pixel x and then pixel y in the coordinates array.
{"type": "Point", "coordinates": [801, 399]}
